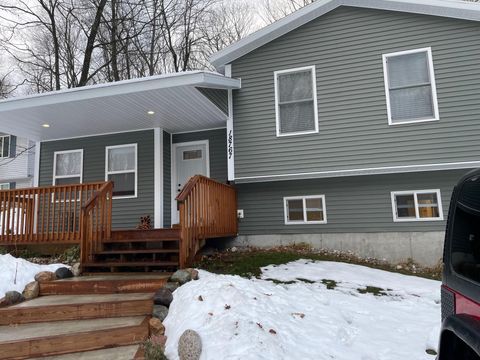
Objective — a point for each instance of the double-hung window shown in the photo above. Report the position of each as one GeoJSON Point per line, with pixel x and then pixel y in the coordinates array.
{"type": "Point", "coordinates": [4, 146]}
{"type": "Point", "coordinates": [296, 101]}
{"type": "Point", "coordinates": [68, 167]}
{"type": "Point", "coordinates": [5, 186]}
{"type": "Point", "coordinates": [410, 86]}
{"type": "Point", "coordinates": [419, 205]}
{"type": "Point", "coordinates": [121, 168]}
{"type": "Point", "coordinates": [305, 210]}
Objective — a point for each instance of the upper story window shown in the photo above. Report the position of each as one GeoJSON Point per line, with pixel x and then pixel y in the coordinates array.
{"type": "Point", "coordinates": [305, 210]}
{"type": "Point", "coordinates": [121, 168]}
{"type": "Point", "coordinates": [410, 87]}
{"type": "Point", "coordinates": [68, 167]}
{"type": "Point", "coordinates": [4, 146]}
{"type": "Point", "coordinates": [296, 101]}
{"type": "Point", "coordinates": [420, 205]}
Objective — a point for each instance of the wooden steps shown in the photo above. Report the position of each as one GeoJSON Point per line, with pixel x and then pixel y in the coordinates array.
{"type": "Point", "coordinates": [116, 353]}
{"type": "Point", "coordinates": [105, 284]}
{"type": "Point", "coordinates": [53, 338]}
{"type": "Point", "coordinates": [80, 307]}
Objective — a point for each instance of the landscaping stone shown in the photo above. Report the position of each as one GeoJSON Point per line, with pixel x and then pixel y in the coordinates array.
{"type": "Point", "coordinates": [31, 290]}
{"type": "Point", "coordinates": [11, 298]}
{"type": "Point", "coordinates": [76, 269]}
{"type": "Point", "coordinates": [63, 273]}
{"type": "Point", "coordinates": [43, 276]}
{"type": "Point", "coordinates": [159, 340]}
{"type": "Point", "coordinates": [163, 297]}
{"type": "Point", "coordinates": [181, 276]}
{"type": "Point", "coordinates": [193, 273]}
{"type": "Point", "coordinates": [160, 312]}
{"type": "Point", "coordinates": [156, 326]}
{"type": "Point", "coordinates": [172, 286]}
{"type": "Point", "coordinates": [190, 345]}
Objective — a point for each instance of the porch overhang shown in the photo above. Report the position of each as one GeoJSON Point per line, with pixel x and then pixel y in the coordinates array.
{"type": "Point", "coordinates": [172, 102]}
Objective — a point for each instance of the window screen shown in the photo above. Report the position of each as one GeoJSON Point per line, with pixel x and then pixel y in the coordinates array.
{"type": "Point", "coordinates": [410, 86]}
{"type": "Point", "coordinates": [122, 169]}
{"type": "Point", "coordinates": [295, 94]}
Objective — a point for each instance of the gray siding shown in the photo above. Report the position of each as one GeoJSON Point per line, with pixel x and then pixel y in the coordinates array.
{"type": "Point", "coordinates": [126, 212]}
{"type": "Point", "coordinates": [217, 96]}
{"type": "Point", "coordinates": [346, 46]}
{"type": "Point", "coordinates": [167, 179]}
{"type": "Point", "coordinates": [217, 140]}
{"type": "Point", "coordinates": [353, 204]}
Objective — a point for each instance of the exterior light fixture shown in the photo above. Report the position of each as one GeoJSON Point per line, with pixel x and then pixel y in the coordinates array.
{"type": "Point", "coordinates": [46, 125]}
{"type": "Point", "coordinates": [150, 112]}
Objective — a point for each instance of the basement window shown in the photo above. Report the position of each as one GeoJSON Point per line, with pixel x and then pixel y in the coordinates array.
{"type": "Point", "coordinates": [421, 205]}
{"type": "Point", "coordinates": [68, 167]}
{"type": "Point", "coordinates": [296, 101]}
{"type": "Point", "coordinates": [121, 168]}
{"type": "Point", "coordinates": [305, 210]}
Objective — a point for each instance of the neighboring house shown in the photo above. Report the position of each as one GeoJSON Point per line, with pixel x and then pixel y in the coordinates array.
{"type": "Point", "coordinates": [17, 156]}
{"type": "Point", "coordinates": [344, 125]}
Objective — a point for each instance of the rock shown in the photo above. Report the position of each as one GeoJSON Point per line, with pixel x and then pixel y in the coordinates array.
{"type": "Point", "coordinates": [399, 267]}
{"type": "Point", "coordinates": [76, 269]}
{"type": "Point", "coordinates": [63, 273]}
{"type": "Point", "coordinates": [190, 345]}
{"type": "Point", "coordinates": [181, 276]}
{"type": "Point", "coordinates": [156, 326]}
{"type": "Point", "coordinates": [159, 340]}
{"type": "Point", "coordinates": [163, 297]}
{"type": "Point", "coordinates": [43, 276]}
{"type": "Point", "coordinates": [234, 249]}
{"type": "Point", "coordinates": [193, 273]}
{"type": "Point", "coordinates": [31, 290]}
{"type": "Point", "coordinates": [172, 286]}
{"type": "Point", "coordinates": [160, 312]}
{"type": "Point", "coordinates": [11, 298]}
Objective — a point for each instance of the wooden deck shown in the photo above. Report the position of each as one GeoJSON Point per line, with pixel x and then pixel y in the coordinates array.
{"type": "Point", "coordinates": [82, 214]}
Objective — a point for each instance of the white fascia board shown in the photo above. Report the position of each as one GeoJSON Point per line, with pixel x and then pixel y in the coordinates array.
{"type": "Point", "coordinates": [444, 8]}
{"type": "Point", "coordinates": [194, 78]}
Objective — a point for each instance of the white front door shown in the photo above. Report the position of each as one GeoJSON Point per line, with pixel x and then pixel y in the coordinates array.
{"type": "Point", "coordinates": [190, 159]}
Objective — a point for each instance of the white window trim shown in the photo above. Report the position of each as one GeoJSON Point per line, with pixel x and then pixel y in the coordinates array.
{"type": "Point", "coordinates": [123, 171]}
{"type": "Point", "coordinates": [417, 218]}
{"type": "Point", "coordinates": [315, 106]}
{"type": "Point", "coordinates": [436, 114]}
{"type": "Point", "coordinates": [7, 184]}
{"type": "Point", "coordinates": [55, 176]}
{"type": "Point", "coordinates": [9, 144]}
{"type": "Point", "coordinates": [304, 198]}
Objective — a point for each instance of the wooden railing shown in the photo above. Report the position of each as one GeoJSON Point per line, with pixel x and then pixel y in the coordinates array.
{"type": "Point", "coordinates": [96, 222]}
{"type": "Point", "coordinates": [51, 214]}
{"type": "Point", "coordinates": [208, 209]}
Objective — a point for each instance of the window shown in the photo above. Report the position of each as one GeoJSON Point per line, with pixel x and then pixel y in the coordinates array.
{"type": "Point", "coordinates": [68, 167]}
{"type": "Point", "coordinates": [296, 101]}
{"type": "Point", "coordinates": [4, 146]}
{"type": "Point", "coordinates": [410, 87]}
{"type": "Point", "coordinates": [5, 186]}
{"type": "Point", "coordinates": [121, 168]}
{"type": "Point", "coordinates": [422, 205]}
{"type": "Point", "coordinates": [305, 210]}
{"type": "Point", "coordinates": [192, 154]}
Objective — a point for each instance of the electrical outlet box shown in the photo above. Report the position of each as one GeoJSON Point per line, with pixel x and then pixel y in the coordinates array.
{"type": "Point", "coordinates": [240, 214]}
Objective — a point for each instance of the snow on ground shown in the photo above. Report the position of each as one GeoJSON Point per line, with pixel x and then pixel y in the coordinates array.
{"type": "Point", "coordinates": [16, 273]}
{"type": "Point", "coordinates": [241, 318]}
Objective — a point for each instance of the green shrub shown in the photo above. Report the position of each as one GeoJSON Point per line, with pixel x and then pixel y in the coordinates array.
{"type": "Point", "coordinates": [71, 255]}
{"type": "Point", "coordinates": [154, 350]}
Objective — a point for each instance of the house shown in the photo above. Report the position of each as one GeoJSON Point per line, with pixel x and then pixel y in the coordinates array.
{"type": "Point", "coordinates": [345, 125]}
{"type": "Point", "coordinates": [17, 156]}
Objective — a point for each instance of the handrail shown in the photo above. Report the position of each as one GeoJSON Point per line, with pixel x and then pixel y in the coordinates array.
{"type": "Point", "coordinates": [208, 209]}
{"type": "Point", "coordinates": [96, 222]}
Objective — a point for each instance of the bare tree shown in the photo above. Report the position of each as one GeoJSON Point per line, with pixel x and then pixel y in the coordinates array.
{"type": "Point", "coordinates": [276, 9]}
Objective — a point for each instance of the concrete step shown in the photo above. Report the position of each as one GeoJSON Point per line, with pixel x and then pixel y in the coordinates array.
{"type": "Point", "coordinates": [77, 307]}
{"type": "Point", "coordinates": [106, 284]}
{"type": "Point", "coordinates": [64, 337]}
{"type": "Point", "coordinates": [115, 353]}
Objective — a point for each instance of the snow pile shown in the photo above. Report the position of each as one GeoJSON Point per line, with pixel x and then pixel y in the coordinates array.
{"type": "Point", "coordinates": [16, 273]}
{"type": "Point", "coordinates": [241, 318]}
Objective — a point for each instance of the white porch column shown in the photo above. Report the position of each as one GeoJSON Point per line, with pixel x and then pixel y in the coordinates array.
{"type": "Point", "coordinates": [230, 137]}
{"type": "Point", "coordinates": [158, 178]}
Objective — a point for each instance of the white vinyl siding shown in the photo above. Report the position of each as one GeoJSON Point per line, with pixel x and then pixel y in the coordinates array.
{"type": "Point", "coordinates": [68, 167]}
{"type": "Point", "coordinates": [121, 168]}
{"type": "Point", "coordinates": [418, 205]}
{"type": "Point", "coordinates": [296, 101]}
{"type": "Point", "coordinates": [410, 86]}
{"type": "Point", "coordinates": [4, 146]}
{"type": "Point", "coordinates": [305, 210]}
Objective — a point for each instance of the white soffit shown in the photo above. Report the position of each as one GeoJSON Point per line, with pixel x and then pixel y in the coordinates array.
{"type": "Point", "coordinates": [116, 107]}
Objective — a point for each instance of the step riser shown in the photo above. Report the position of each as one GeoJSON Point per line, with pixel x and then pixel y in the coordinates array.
{"type": "Point", "coordinates": [65, 344]}
{"type": "Point", "coordinates": [75, 312]}
{"type": "Point", "coordinates": [86, 287]}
